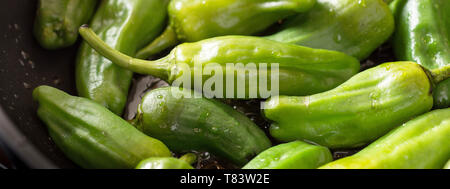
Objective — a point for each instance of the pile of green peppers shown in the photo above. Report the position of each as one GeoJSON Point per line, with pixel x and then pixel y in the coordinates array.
{"type": "Point", "coordinates": [399, 110]}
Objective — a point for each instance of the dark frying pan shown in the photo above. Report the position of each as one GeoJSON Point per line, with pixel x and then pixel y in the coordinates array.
{"type": "Point", "coordinates": [24, 65]}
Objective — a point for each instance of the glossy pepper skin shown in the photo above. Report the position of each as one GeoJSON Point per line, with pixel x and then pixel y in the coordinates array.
{"type": "Point", "coordinates": [91, 135]}
{"type": "Point", "coordinates": [168, 162]}
{"type": "Point", "coordinates": [422, 143]}
{"type": "Point", "coordinates": [447, 166]}
{"type": "Point", "coordinates": [195, 20]}
{"type": "Point", "coordinates": [441, 94]}
{"type": "Point", "coordinates": [355, 27]}
{"type": "Point", "coordinates": [293, 155]}
{"type": "Point", "coordinates": [357, 112]}
{"type": "Point", "coordinates": [57, 21]}
{"type": "Point", "coordinates": [423, 36]}
{"type": "Point", "coordinates": [125, 25]}
{"type": "Point", "coordinates": [163, 163]}
{"type": "Point", "coordinates": [186, 123]}
{"type": "Point", "coordinates": [302, 70]}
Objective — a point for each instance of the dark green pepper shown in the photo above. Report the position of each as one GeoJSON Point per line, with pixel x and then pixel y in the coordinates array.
{"type": "Point", "coordinates": [168, 162]}
{"type": "Point", "coordinates": [422, 143]}
{"type": "Point", "coordinates": [57, 21]}
{"type": "Point", "coordinates": [355, 27]}
{"type": "Point", "coordinates": [441, 94]}
{"type": "Point", "coordinates": [293, 155]}
{"type": "Point", "coordinates": [423, 36]}
{"type": "Point", "coordinates": [186, 123]}
{"type": "Point", "coordinates": [359, 111]}
{"type": "Point", "coordinates": [125, 25]}
{"type": "Point", "coordinates": [91, 135]}
{"type": "Point", "coordinates": [302, 70]}
{"type": "Point", "coordinates": [195, 20]}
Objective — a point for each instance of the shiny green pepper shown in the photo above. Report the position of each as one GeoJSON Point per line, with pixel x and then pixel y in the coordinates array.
{"type": "Point", "coordinates": [293, 155]}
{"type": "Point", "coordinates": [357, 112]}
{"type": "Point", "coordinates": [163, 163]}
{"type": "Point", "coordinates": [186, 123]}
{"type": "Point", "coordinates": [423, 36]}
{"type": "Point", "coordinates": [447, 166]}
{"type": "Point", "coordinates": [441, 94]}
{"type": "Point", "coordinates": [125, 25]}
{"type": "Point", "coordinates": [57, 21]}
{"type": "Point", "coordinates": [355, 27]}
{"type": "Point", "coordinates": [195, 20]}
{"type": "Point", "coordinates": [91, 135]}
{"type": "Point", "coordinates": [422, 143]}
{"type": "Point", "coordinates": [302, 70]}
{"type": "Point", "coordinates": [168, 162]}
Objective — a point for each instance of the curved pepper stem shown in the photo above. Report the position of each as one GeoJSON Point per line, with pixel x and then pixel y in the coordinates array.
{"type": "Point", "coordinates": [156, 68]}
{"type": "Point", "coordinates": [189, 158]}
{"type": "Point", "coordinates": [166, 40]}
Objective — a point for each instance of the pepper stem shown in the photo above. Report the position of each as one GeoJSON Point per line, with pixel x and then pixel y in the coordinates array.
{"type": "Point", "coordinates": [166, 40]}
{"type": "Point", "coordinates": [190, 158]}
{"type": "Point", "coordinates": [158, 68]}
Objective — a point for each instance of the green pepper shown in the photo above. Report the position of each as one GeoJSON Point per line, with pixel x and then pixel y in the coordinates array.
{"type": "Point", "coordinates": [168, 162]}
{"type": "Point", "coordinates": [355, 27]}
{"type": "Point", "coordinates": [302, 70]}
{"type": "Point", "coordinates": [441, 94]}
{"type": "Point", "coordinates": [185, 123]}
{"type": "Point", "coordinates": [423, 36]}
{"type": "Point", "coordinates": [447, 166]}
{"type": "Point", "coordinates": [293, 155]}
{"type": "Point", "coordinates": [57, 21]}
{"type": "Point", "coordinates": [357, 112]}
{"type": "Point", "coordinates": [91, 135]}
{"type": "Point", "coordinates": [195, 20]}
{"type": "Point", "coordinates": [163, 163]}
{"type": "Point", "coordinates": [125, 25]}
{"type": "Point", "coordinates": [422, 143]}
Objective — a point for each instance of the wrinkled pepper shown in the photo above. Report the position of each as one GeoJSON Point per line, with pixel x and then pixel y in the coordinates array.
{"type": "Point", "coordinates": [422, 143]}
{"type": "Point", "coordinates": [57, 21]}
{"type": "Point", "coordinates": [125, 25]}
{"type": "Point", "coordinates": [91, 135]}
{"type": "Point", "coordinates": [355, 27]}
{"type": "Point", "coordinates": [168, 162]}
{"type": "Point", "coordinates": [441, 94]}
{"type": "Point", "coordinates": [357, 112]}
{"type": "Point", "coordinates": [195, 20]}
{"type": "Point", "coordinates": [423, 36]}
{"type": "Point", "coordinates": [186, 123]}
{"type": "Point", "coordinates": [302, 70]}
{"type": "Point", "coordinates": [293, 155]}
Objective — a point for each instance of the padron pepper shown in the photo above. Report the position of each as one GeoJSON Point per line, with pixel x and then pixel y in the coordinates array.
{"type": "Point", "coordinates": [91, 135]}
{"type": "Point", "coordinates": [301, 70]}
{"type": "Point", "coordinates": [125, 25]}
{"type": "Point", "coordinates": [195, 20]}
{"type": "Point", "coordinates": [168, 162]}
{"type": "Point", "coordinates": [357, 112]}
{"type": "Point", "coordinates": [187, 123]}
{"type": "Point", "coordinates": [447, 166]}
{"type": "Point", "coordinates": [57, 21]}
{"type": "Point", "coordinates": [423, 36]}
{"type": "Point", "coordinates": [422, 143]}
{"type": "Point", "coordinates": [355, 27]}
{"type": "Point", "coordinates": [293, 155]}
